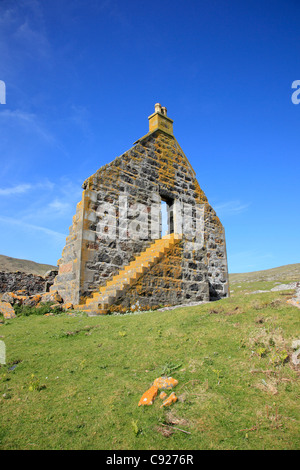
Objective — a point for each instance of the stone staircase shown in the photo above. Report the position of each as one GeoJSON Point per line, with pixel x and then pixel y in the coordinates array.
{"type": "Point", "coordinates": [101, 301]}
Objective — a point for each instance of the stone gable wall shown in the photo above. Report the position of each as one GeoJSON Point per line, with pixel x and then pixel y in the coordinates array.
{"type": "Point", "coordinates": [155, 167]}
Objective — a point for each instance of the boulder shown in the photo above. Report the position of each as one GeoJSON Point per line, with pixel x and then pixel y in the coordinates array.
{"type": "Point", "coordinates": [56, 307]}
{"type": "Point", "coordinates": [21, 292]}
{"type": "Point", "coordinates": [33, 300]}
{"type": "Point", "coordinates": [171, 399]}
{"type": "Point", "coordinates": [7, 310]}
{"type": "Point", "coordinates": [165, 383]}
{"type": "Point", "coordinates": [148, 397]}
{"type": "Point", "coordinates": [9, 297]}
{"type": "Point", "coordinates": [14, 297]}
{"type": "Point", "coordinates": [68, 306]}
{"type": "Point", "coordinates": [51, 297]}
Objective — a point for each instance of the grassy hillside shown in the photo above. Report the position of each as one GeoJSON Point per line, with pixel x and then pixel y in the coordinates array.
{"type": "Point", "coordinates": [244, 283]}
{"type": "Point", "coordinates": [76, 381]}
{"type": "Point", "coordinates": [290, 272]}
{"type": "Point", "coordinates": [12, 265]}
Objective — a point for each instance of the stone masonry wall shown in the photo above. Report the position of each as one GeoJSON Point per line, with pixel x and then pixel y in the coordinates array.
{"type": "Point", "coordinates": [216, 256]}
{"type": "Point", "coordinates": [154, 168]}
{"type": "Point", "coordinates": [68, 279]}
{"type": "Point", "coordinates": [173, 281]}
{"type": "Point", "coordinates": [31, 283]}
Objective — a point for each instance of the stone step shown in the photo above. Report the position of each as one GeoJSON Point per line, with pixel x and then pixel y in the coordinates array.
{"type": "Point", "coordinates": [101, 300]}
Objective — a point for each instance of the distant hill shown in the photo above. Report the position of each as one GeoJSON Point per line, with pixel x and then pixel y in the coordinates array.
{"type": "Point", "coordinates": [289, 272]}
{"type": "Point", "coordinates": [12, 265]}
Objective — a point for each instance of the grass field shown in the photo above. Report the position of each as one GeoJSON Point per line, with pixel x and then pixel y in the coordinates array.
{"type": "Point", "coordinates": [77, 380]}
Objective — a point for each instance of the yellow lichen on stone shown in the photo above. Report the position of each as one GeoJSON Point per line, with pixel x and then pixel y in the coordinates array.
{"type": "Point", "coordinates": [171, 399]}
{"type": "Point", "coordinates": [165, 383]}
{"type": "Point", "coordinates": [7, 310]}
{"type": "Point", "coordinates": [149, 396]}
{"type": "Point", "coordinates": [68, 306]}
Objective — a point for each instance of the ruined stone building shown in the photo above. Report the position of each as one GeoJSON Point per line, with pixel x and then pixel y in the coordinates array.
{"type": "Point", "coordinates": [121, 253]}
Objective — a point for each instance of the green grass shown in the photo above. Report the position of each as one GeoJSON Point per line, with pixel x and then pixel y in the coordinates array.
{"type": "Point", "coordinates": [244, 283]}
{"type": "Point", "coordinates": [289, 272]}
{"type": "Point", "coordinates": [77, 380]}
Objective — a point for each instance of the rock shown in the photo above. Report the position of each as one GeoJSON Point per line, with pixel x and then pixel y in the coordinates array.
{"type": "Point", "coordinates": [68, 306]}
{"type": "Point", "coordinates": [19, 298]}
{"type": "Point", "coordinates": [259, 291]}
{"type": "Point", "coordinates": [26, 284]}
{"type": "Point", "coordinates": [50, 274]}
{"type": "Point", "coordinates": [49, 279]}
{"type": "Point", "coordinates": [171, 399]}
{"type": "Point", "coordinates": [9, 297]}
{"type": "Point", "coordinates": [148, 397]}
{"type": "Point", "coordinates": [295, 301]}
{"type": "Point", "coordinates": [13, 298]}
{"type": "Point", "coordinates": [47, 297]}
{"type": "Point", "coordinates": [51, 297]}
{"type": "Point", "coordinates": [292, 285]}
{"type": "Point", "coordinates": [21, 283]}
{"type": "Point", "coordinates": [58, 298]}
{"type": "Point", "coordinates": [21, 292]}
{"type": "Point", "coordinates": [165, 383]}
{"type": "Point", "coordinates": [56, 306]}
{"type": "Point", "coordinates": [32, 301]}
{"type": "Point", "coordinates": [7, 310]}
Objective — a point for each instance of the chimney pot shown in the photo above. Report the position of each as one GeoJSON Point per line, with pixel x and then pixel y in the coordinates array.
{"type": "Point", "coordinates": [157, 108]}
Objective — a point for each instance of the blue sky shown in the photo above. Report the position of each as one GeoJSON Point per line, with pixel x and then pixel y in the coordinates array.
{"type": "Point", "coordinates": [82, 77]}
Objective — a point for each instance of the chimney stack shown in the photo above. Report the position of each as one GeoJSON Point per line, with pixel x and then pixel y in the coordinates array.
{"type": "Point", "coordinates": [159, 120]}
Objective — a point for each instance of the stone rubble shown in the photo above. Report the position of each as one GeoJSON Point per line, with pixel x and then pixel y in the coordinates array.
{"type": "Point", "coordinates": [29, 283]}
{"type": "Point", "coordinates": [9, 299]}
{"type": "Point", "coordinates": [296, 298]}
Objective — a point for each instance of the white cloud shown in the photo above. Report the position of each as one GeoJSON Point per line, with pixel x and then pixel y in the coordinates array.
{"type": "Point", "coordinates": [42, 221]}
{"type": "Point", "coordinates": [51, 201]}
{"type": "Point", "coordinates": [26, 187]}
{"type": "Point", "coordinates": [59, 206]}
{"type": "Point", "coordinates": [35, 42]}
{"type": "Point", "coordinates": [23, 29]}
{"type": "Point", "coordinates": [19, 189]}
{"type": "Point", "coordinates": [60, 237]}
{"type": "Point", "coordinates": [29, 120]}
{"type": "Point", "coordinates": [231, 208]}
